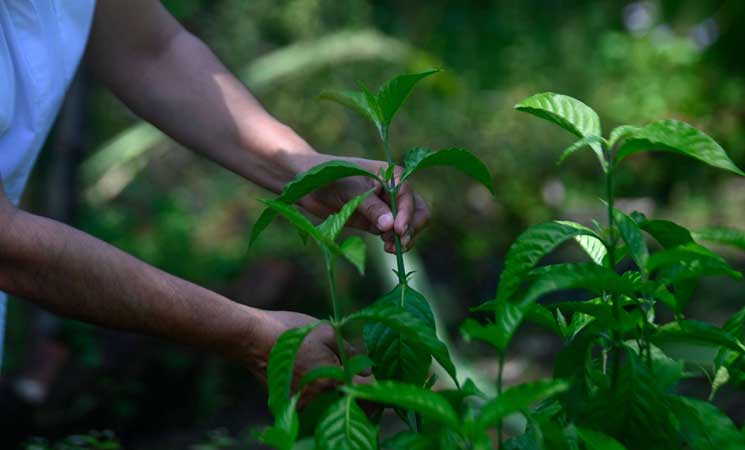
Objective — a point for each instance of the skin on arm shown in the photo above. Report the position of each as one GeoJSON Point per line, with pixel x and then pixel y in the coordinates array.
{"type": "Point", "coordinates": [78, 276]}
{"type": "Point", "coordinates": [172, 79]}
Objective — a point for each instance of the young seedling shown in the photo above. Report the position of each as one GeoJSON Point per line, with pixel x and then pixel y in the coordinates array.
{"type": "Point", "coordinates": [399, 328]}
{"type": "Point", "coordinates": [629, 401]}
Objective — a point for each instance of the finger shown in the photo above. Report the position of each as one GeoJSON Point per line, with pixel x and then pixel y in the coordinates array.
{"type": "Point", "coordinates": [405, 213]}
{"type": "Point", "coordinates": [421, 215]}
{"type": "Point", "coordinates": [387, 236]}
{"type": "Point", "coordinates": [361, 223]}
{"type": "Point", "coordinates": [377, 212]}
{"type": "Point", "coordinates": [389, 247]}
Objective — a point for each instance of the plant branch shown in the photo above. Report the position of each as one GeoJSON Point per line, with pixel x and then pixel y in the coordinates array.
{"type": "Point", "coordinates": [329, 265]}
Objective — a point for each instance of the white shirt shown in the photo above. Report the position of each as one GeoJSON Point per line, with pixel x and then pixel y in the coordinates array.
{"type": "Point", "coordinates": [41, 43]}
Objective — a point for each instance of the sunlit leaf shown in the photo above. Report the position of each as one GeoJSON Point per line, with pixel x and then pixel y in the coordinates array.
{"type": "Point", "coordinates": [517, 399]}
{"type": "Point", "coordinates": [409, 397]}
{"type": "Point", "coordinates": [620, 133]}
{"type": "Point", "coordinates": [345, 426]}
{"type": "Point", "coordinates": [421, 158]}
{"type": "Point", "coordinates": [593, 246]}
{"type": "Point", "coordinates": [393, 93]}
{"type": "Point", "coordinates": [678, 137]}
{"type": "Point", "coordinates": [567, 112]}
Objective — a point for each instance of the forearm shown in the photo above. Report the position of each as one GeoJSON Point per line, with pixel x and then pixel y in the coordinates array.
{"type": "Point", "coordinates": [78, 276]}
{"type": "Point", "coordinates": [174, 81]}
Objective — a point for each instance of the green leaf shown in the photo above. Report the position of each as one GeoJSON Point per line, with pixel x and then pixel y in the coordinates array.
{"type": "Point", "coordinates": [409, 397]}
{"type": "Point", "coordinates": [396, 354]}
{"type": "Point", "coordinates": [542, 316]}
{"type": "Point", "coordinates": [593, 246]}
{"type": "Point", "coordinates": [566, 112]}
{"type": "Point", "coordinates": [632, 235]}
{"type": "Point", "coordinates": [408, 440]}
{"type": "Point", "coordinates": [421, 158]}
{"type": "Point", "coordinates": [334, 223]}
{"type": "Point", "coordinates": [299, 221]}
{"type": "Point", "coordinates": [668, 234]}
{"type": "Point", "coordinates": [695, 332]}
{"type": "Point", "coordinates": [321, 373]}
{"type": "Point", "coordinates": [678, 137]}
{"type": "Point", "coordinates": [488, 333]}
{"type": "Point", "coordinates": [620, 133]}
{"type": "Point", "coordinates": [595, 440]}
{"type": "Point", "coordinates": [393, 93]}
{"type": "Point", "coordinates": [283, 434]}
{"type": "Point", "coordinates": [704, 427]}
{"type": "Point", "coordinates": [354, 250]}
{"type": "Point", "coordinates": [719, 235]}
{"type": "Point", "coordinates": [358, 363]}
{"type": "Point", "coordinates": [344, 426]}
{"type": "Point", "coordinates": [530, 247]}
{"type": "Point", "coordinates": [357, 101]}
{"type": "Point", "coordinates": [280, 368]}
{"type": "Point", "coordinates": [517, 399]}
{"type": "Point", "coordinates": [594, 142]}
{"type": "Point", "coordinates": [416, 331]}
{"type": "Point", "coordinates": [305, 183]}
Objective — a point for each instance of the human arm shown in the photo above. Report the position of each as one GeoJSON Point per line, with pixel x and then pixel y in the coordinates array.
{"type": "Point", "coordinates": [171, 79]}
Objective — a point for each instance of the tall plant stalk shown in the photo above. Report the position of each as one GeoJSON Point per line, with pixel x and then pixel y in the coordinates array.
{"type": "Point", "coordinates": [392, 189]}
{"type": "Point", "coordinates": [613, 241]}
{"type": "Point", "coordinates": [329, 266]}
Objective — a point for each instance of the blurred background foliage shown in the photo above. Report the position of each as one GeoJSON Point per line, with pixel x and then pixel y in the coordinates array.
{"type": "Point", "coordinates": [632, 61]}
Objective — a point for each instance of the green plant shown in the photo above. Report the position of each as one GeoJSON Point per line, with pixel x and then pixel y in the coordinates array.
{"type": "Point", "coordinates": [614, 383]}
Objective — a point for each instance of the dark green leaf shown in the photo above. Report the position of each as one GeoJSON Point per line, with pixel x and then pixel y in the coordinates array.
{"type": "Point", "coordinates": [704, 427]}
{"type": "Point", "coordinates": [421, 158]}
{"type": "Point", "coordinates": [517, 399]}
{"type": "Point", "coordinates": [280, 368]}
{"type": "Point", "coordinates": [344, 426]}
{"type": "Point", "coordinates": [425, 402]}
{"type": "Point", "coordinates": [300, 222]}
{"type": "Point", "coordinates": [668, 234]}
{"type": "Point", "coordinates": [305, 183]}
{"type": "Point", "coordinates": [321, 373]}
{"type": "Point", "coordinates": [632, 235]}
{"type": "Point", "coordinates": [398, 356]}
{"type": "Point", "coordinates": [472, 329]}
{"type": "Point", "coordinates": [726, 236]}
{"type": "Point", "coordinates": [416, 331]}
{"type": "Point", "coordinates": [678, 137]}
{"type": "Point", "coordinates": [542, 316]}
{"type": "Point", "coordinates": [594, 142]}
{"type": "Point", "coordinates": [359, 363]}
{"type": "Point", "coordinates": [530, 247]}
{"type": "Point", "coordinates": [408, 440]}
{"type": "Point", "coordinates": [358, 102]}
{"type": "Point", "coordinates": [393, 93]}
{"type": "Point", "coordinates": [595, 440]}
{"type": "Point", "coordinates": [696, 332]}
{"type": "Point", "coordinates": [354, 250]}
{"type": "Point", "coordinates": [567, 112]}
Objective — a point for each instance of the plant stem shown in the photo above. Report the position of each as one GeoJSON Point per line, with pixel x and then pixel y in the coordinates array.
{"type": "Point", "coordinates": [335, 307]}
{"type": "Point", "coordinates": [500, 427]}
{"type": "Point", "coordinates": [615, 301]}
{"type": "Point", "coordinates": [392, 190]}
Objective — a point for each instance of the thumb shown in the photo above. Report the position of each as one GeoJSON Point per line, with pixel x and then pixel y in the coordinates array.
{"type": "Point", "coordinates": [377, 212]}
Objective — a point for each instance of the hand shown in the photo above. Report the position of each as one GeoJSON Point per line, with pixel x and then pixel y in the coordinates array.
{"type": "Point", "coordinates": [318, 349]}
{"type": "Point", "coordinates": [374, 214]}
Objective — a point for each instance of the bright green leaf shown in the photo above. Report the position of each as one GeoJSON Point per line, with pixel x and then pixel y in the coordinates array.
{"type": "Point", "coordinates": [678, 137]}
{"type": "Point", "coordinates": [322, 373]}
{"type": "Point", "coordinates": [393, 93]}
{"type": "Point", "coordinates": [421, 158]}
{"type": "Point", "coordinates": [334, 223]}
{"type": "Point", "coordinates": [358, 102]}
{"type": "Point", "coordinates": [620, 133]}
{"type": "Point", "coordinates": [283, 434]}
{"type": "Point", "coordinates": [354, 250]}
{"type": "Point", "coordinates": [567, 112]}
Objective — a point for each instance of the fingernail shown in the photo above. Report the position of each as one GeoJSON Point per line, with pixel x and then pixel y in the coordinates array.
{"type": "Point", "coordinates": [385, 221]}
{"type": "Point", "coordinates": [405, 240]}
